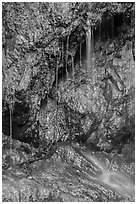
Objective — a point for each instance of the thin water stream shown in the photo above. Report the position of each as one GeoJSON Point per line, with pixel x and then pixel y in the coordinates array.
{"type": "Point", "coordinates": [89, 48]}
{"type": "Point", "coordinates": [114, 180]}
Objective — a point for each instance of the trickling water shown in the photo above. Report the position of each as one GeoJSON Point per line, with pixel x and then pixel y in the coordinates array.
{"type": "Point", "coordinates": [67, 55]}
{"type": "Point", "coordinates": [80, 56]}
{"type": "Point", "coordinates": [88, 42]}
{"type": "Point", "coordinates": [100, 30]}
{"type": "Point", "coordinates": [73, 69]}
{"type": "Point", "coordinates": [118, 182]}
{"type": "Point", "coordinates": [90, 48]}
{"type": "Point", "coordinates": [62, 51]}
{"type": "Point", "coordinates": [113, 180]}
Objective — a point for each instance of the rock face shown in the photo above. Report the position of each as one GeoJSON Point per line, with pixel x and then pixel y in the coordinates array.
{"type": "Point", "coordinates": [68, 104]}
{"type": "Point", "coordinates": [102, 102]}
{"type": "Point", "coordinates": [95, 107]}
{"type": "Point", "coordinates": [69, 177]}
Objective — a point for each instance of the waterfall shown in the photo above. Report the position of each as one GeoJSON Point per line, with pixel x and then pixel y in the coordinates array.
{"type": "Point", "coordinates": [88, 45]}
{"type": "Point", "coordinates": [89, 48]}
{"type": "Point", "coordinates": [80, 56]}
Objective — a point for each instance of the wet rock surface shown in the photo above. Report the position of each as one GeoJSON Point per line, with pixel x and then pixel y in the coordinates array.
{"type": "Point", "coordinates": [97, 111]}
{"type": "Point", "coordinates": [68, 176]}
{"type": "Point", "coordinates": [68, 117]}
